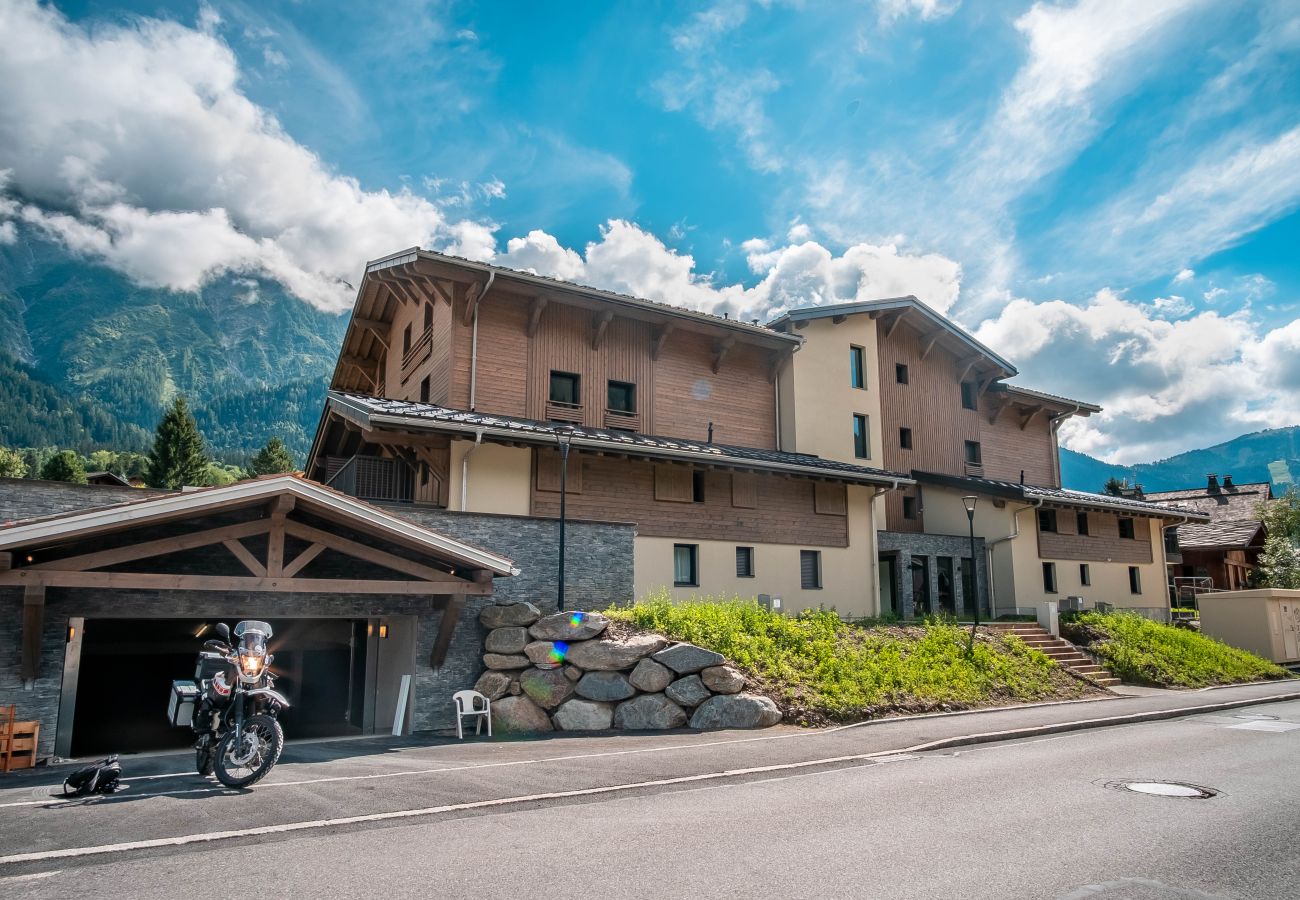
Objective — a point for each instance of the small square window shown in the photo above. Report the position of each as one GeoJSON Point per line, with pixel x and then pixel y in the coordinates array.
{"type": "Point", "coordinates": [686, 565]}
{"type": "Point", "coordinates": [622, 397]}
{"type": "Point", "coordinates": [969, 395]}
{"type": "Point", "coordinates": [861, 437]}
{"type": "Point", "coordinates": [810, 569]}
{"type": "Point", "coordinates": [1049, 577]}
{"type": "Point", "coordinates": [900, 373]}
{"type": "Point", "coordinates": [1085, 575]}
{"type": "Point", "coordinates": [1126, 529]}
{"type": "Point", "coordinates": [857, 367]}
{"type": "Point", "coordinates": [565, 389]}
{"type": "Point", "coordinates": [1081, 520]}
{"type": "Point", "coordinates": [744, 562]}
{"type": "Point", "coordinates": [905, 438]}
{"type": "Point", "coordinates": [1134, 580]}
{"type": "Point", "coordinates": [697, 486]}
{"type": "Point", "coordinates": [1047, 520]}
{"type": "Point", "coordinates": [909, 507]}
{"type": "Point", "coordinates": [974, 456]}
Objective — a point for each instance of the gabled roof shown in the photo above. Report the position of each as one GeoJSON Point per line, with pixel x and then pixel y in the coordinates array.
{"type": "Point", "coordinates": [1059, 496]}
{"type": "Point", "coordinates": [1241, 534]}
{"type": "Point", "coordinates": [1015, 391]}
{"type": "Point", "coordinates": [1238, 502]}
{"type": "Point", "coordinates": [371, 412]}
{"type": "Point", "coordinates": [154, 510]}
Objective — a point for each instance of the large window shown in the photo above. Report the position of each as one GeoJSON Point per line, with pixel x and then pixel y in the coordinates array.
{"type": "Point", "coordinates": [1047, 520]}
{"type": "Point", "coordinates": [622, 397]}
{"type": "Point", "coordinates": [686, 565]}
{"type": "Point", "coordinates": [861, 437]}
{"type": "Point", "coordinates": [969, 395]}
{"type": "Point", "coordinates": [810, 569]}
{"type": "Point", "coordinates": [1134, 580]}
{"type": "Point", "coordinates": [857, 367]}
{"type": "Point", "coordinates": [565, 389]}
{"type": "Point", "coordinates": [1049, 577]}
{"type": "Point", "coordinates": [744, 562]}
{"type": "Point", "coordinates": [974, 456]}
{"type": "Point", "coordinates": [1126, 529]}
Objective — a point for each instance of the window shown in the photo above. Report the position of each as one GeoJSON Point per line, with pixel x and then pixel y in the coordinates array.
{"type": "Point", "coordinates": [1081, 520]}
{"type": "Point", "coordinates": [1126, 529]}
{"type": "Point", "coordinates": [697, 486]}
{"type": "Point", "coordinates": [905, 438]}
{"type": "Point", "coordinates": [744, 562]}
{"type": "Point", "coordinates": [909, 507]}
{"type": "Point", "coordinates": [428, 316]}
{"type": "Point", "coordinates": [857, 367]}
{"type": "Point", "coordinates": [1085, 575]}
{"type": "Point", "coordinates": [973, 455]}
{"type": "Point", "coordinates": [406, 340]}
{"type": "Point", "coordinates": [424, 390]}
{"type": "Point", "coordinates": [900, 373]}
{"type": "Point", "coordinates": [810, 569]}
{"type": "Point", "coordinates": [969, 395]}
{"type": "Point", "coordinates": [1049, 577]}
{"type": "Point", "coordinates": [1134, 580]}
{"type": "Point", "coordinates": [686, 565]}
{"type": "Point", "coordinates": [861, 439]}
{"type": "Point", "coordinates": [564, 389]}
{"type": "Point", "coordinates": [1047, 520]}
{"type": "Point", "coordinates": [1171, 541]}
{"type": "Point", "coordinates": [622, 397]}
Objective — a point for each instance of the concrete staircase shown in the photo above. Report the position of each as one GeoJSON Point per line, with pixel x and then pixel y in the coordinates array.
{"type": "Point", "coordinates": [1058, 649]}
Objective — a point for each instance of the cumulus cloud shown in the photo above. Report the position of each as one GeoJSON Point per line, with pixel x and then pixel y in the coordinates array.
{"type": "Point", "coordinates": [135, 144]}
{"type": "Point", "coordinates": [1184, 275]}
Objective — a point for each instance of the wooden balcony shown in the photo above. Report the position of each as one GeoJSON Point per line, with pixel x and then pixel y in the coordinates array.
{"type": "Point", "coordinates": [975, 470]}
{"type": "Point", "coordinates": [373, 478]}
{"type": "Point", "coordinates": [564, 412]}
{"type": "Point", "coordinates": [619, 420]}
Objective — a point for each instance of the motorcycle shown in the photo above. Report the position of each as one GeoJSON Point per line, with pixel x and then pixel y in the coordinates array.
{"type": "Point", "coordinates": [233, 706]}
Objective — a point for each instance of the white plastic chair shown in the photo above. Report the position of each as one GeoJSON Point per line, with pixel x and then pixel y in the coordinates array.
{"type": "Point", "coordinates": [472, 703]}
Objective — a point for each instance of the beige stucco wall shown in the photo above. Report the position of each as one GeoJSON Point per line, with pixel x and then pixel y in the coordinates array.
{"type": "Point", "coordinates": [849, 578]}
{"type": "Point", "coordinates": [500, 478]}
{"type": "Point", "coordinates": [1265, 621]}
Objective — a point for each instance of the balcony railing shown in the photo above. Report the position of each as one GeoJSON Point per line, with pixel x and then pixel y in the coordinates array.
{"type": "Point", "coordinates": [620, 420]}
{"type": "Point", "coordinates": [372, 478]}
{"type": "Point", "coordinates": [419, 351]}
{"type": "Point", "coordinates": [564, 412]}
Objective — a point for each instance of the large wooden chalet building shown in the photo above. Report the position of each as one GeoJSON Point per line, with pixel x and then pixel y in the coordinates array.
{"type": "Point", "coordinates": [821, 459]}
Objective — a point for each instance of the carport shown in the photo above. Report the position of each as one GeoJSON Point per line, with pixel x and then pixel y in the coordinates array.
{"type": "Point", "coordinates": [116, 600]}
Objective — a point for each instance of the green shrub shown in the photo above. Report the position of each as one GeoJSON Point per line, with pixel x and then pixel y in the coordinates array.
{"type": "Point", "coordinates": [1140, 651]}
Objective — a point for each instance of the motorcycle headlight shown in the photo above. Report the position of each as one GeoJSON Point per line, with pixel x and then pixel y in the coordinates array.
{"type": "Point", "coordinates": [251, 664]}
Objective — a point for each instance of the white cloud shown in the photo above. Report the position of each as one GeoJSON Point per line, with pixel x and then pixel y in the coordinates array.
{"type": "Point", "coordinates": [925, 10]}
{"type": "Point", "coordinates": [1184, 275]}
{"type": "Point", "coordinates": [136, 145]}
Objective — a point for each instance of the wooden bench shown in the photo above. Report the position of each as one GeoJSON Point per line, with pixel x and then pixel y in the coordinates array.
{"type": "Point", "coordinates": [18, 741]}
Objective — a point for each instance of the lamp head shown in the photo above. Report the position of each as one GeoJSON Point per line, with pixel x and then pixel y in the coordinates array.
{"type": "Point", "coordinates": [969, 502]}
{"type": "Point", "coordinates": [564, 434]}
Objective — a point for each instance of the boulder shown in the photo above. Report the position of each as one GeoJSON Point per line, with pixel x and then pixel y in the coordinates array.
{"type": "Point", "coordinates": [650, 677]}
{"type": "Point", "coordinates": [736, 711]}
{"type": "Point", "coordinates": [515, 689]}
{"type": "Point", "coordinates": [688, 691]}
{"type": "Point", "coordinates": [684, 659]}
{"type": "Point", "coordinates": [548, 688]}
{"type": "Point", "coordinates": [606, 686]}
{"type": "Point", "coordinates": [649, 712]}
{"type": "Point", "coordinates": [519, 715]}
{"type": "Point", "coordinates": [510, 639]}
{"type": "Point", "coordinates": [505, 661]}
{"type": "Point", "coordinates": [613, 656]}
{"type": "Point", "coordinates": [584, 715]}
{"type": "Point", "coordinates": [493, 685]}
{"type": "Point", "coordinates": [504, 615]}
{"type": "Point", "coordinates": [573, 673]}
{"type": "Point", "coordinates": [723, 680]}
{"type": "Point", "coordinates": [568, 626]}
{"type": "Point", "coordinates": [540, 653]}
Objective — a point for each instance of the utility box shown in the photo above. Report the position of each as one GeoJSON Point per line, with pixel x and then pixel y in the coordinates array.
{"type": "Point", "coordinates": [1265, 621]}
{"type": "Point", "coordinates": [1048, 618]}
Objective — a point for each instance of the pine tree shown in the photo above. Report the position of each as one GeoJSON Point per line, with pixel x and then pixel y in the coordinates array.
{"type": "Point", "coordinates": [64, 466]}
{"type": "Point", "coordinates": [273, 459]}
{"type": "Point", "coordinates": [178, 458]}
{"type": "Point", "coordinates": [12, 464]}
{"type": "Point", "coordinates": [1114, 487]}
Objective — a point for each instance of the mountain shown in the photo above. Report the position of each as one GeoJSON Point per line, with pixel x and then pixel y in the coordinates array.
{"type": "Point", "coordinates": [1272, 455]}
{"type": "Point", "coordinates": [94, 359]}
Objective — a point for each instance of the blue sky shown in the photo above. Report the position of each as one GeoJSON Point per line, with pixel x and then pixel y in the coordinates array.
{"type": "Point", "coordinates": [1106, 192]}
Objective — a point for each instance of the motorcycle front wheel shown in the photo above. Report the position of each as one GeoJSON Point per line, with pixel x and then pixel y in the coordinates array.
{"type": "Point", "coordinates": [243, 763]}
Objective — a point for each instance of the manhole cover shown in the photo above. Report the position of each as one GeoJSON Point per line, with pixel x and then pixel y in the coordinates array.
{"type": "Point", "coordinates": [1176, 790]}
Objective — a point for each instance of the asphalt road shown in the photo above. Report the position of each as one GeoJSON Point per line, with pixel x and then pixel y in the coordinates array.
{"type": "Point", "coordinates": [672, 816]}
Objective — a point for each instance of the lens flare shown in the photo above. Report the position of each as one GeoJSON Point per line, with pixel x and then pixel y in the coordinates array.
{"type": "Point", "coordinates": [577, 619]}
{"type": "Point", "coordinates": [559, 650]}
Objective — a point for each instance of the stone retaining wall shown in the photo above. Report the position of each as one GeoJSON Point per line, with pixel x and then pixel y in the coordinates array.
{"type": "Point", "coordinates": [557, 673]}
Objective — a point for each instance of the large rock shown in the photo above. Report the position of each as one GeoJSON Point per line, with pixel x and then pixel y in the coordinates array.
{"type": "Point", "coordinates": [541, 653]}
{"type": "Point", "coordinates": [568, 626]}
{"type": "Point", "coordinates": [649, 712]}
{"type": "Point", "coordinates": [613, 656]}
{"type": "Point", "coordinates": [650, 677]}
{"type": "Point", "coordinates": [685, 659]}
{"type": "Point", "coordinates": [505, 661]}
{"type": "Point", "coordinates": [510, 639]}
{"type": "Point", "coordinates": [548, 688]}
{"type": "Point", "coordinates": [606, 686]}
{"type": "Point", "coordinates": [584, 715]}
{"type": "Point", "coordinates": [519, 715]}
{"type": "Point", "coordinates": [493, 685]}
{"type": "Point", "coordinates": [723, 680]}
{"type": "Point", "coordinates": [504, 615]}
{"type": "Point", "coordinates": [688, 691]}
{"type": "Point", "coordinates": [736, 711]}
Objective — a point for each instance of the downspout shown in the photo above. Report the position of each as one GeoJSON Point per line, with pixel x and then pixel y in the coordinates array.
{"type": "Point", "coordinates": [473, 351]}
{"type": "Point", "coordinates": [988, 552]}
{"type": "Point", "coordinates": [464, 469]}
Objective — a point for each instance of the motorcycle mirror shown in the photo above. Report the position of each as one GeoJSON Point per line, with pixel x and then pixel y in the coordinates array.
{"type": "Point", "coordinates": [214, 644]}
{"type": "Point", "coordinates": [223, 630]}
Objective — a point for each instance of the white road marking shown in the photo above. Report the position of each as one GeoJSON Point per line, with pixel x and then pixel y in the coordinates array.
{"type": "Point", "coordinates": [31, 876]}
{"type": "Point", "coordinates": [1263, 725]}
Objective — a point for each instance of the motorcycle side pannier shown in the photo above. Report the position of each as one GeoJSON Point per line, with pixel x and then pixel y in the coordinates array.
{"type": "Point", "coordinates": [180, 709]}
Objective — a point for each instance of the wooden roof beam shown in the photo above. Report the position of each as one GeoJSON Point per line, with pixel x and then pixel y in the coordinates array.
{"type": "Point", "coordinates": [472, 300]}
{"type": "Point", "coordinates": [720, 350]}
{"type": "Point", "coordinates": [892, 325]}
{"type": "Point", "coordinates": [1033, 413]}
{"type": "Point", "coordinates": [661, 338]}
{"type": "Point", "coordinates": [839, 320]}
{"type": "Point", "coordinates": [966, 365]}
{"type": "Point", "coordinates": [995, 410]}
{"type": "Point", "coordinates": [930, 341]}
{"type": "Point", "coordinates": [535, 314]}
{"type": "Point", "coordinates": [600, 324]}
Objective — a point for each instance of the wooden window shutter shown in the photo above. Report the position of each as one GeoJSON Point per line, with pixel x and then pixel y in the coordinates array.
{"type": "Point", "coordinates": [744, 490]}
{"type": "Point", "coordinates": [674, 484]}
{"type": "Point", "coordinates": [548, 471]}
{"type": "Point", "coordinates": [829, 499]}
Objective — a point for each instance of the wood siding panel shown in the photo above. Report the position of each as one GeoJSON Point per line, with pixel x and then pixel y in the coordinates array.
{"type": "Point", "coordinates": [548, 472]}
{"type": "Point", "coordinates": [739, 400]}
{"type": "Point", "coordinates": [674, 484]}
{"type": "Point", "coordinates": [1102, 544]}
{"type": "Point", "coordinates": [624, 490]}
{"type": "Point", "coordinates": [1008, 450]}
{"type": "Point", "coordinates": [744, 490]}
{"type": "Point", "coordinates": [830, 499]}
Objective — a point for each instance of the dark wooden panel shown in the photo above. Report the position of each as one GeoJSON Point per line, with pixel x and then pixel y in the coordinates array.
{"type": "Point", "coordinates": [744, 490]}
{"type": "Point", "coordinates": [1102, 544]}
{"type": "Point", "coordinates": [548, 471]}
{"type": "Point", "coordinates": [674, 484]}
{"type": "Point", "coordinates": [1007, 450]}
{"type": "Point", "coordinates": [830, 499]}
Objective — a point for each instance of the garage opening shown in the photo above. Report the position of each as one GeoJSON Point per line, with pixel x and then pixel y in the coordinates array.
{"type": "Point", "coordinates": [126, 668]}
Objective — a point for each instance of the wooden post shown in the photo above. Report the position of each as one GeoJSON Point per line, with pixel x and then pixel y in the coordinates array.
{"type": "Point", "coordinates": [450, 615]}
{"type": "Point", "coordinates": [33, 625]}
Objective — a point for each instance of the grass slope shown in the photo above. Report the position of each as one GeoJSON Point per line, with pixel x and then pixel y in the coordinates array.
{"type": "Point", "coordinates": [1140, 651]}
{"type": "Point", "coordinates": [820, 669]}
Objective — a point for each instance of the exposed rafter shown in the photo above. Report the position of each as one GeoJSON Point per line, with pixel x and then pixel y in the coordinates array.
{"type": "Point", "coordinates": [720, 351]}
{"type": "Point", "coordinates": [966, 365]}
{"type": "Point", "coordinates": [661, 338]}
{"type": "Point", "coordinates": [930, 341]}
{"type": "Point", "coordinates": [599, 325]}
{"type": "Point", "coordinates": [893, 323]}
{"type": "Point", "coordinates": [535, 314]}
{"type": "Point", "coordinates": [839, 320]}
{"type": "Point", "coordinates": [472, 300]}
{"type": "Point", "coordinates": [1030, 415]}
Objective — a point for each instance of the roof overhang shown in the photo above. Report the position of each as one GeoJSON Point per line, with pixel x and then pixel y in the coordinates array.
{"type": "Point", "coordinates": [1059, 497]}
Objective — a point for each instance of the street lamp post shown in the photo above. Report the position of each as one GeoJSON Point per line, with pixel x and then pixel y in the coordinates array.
{"type": "Point", "coordinates": [563, 437]}
{"type": "Point", "coordinates": [969, 503]}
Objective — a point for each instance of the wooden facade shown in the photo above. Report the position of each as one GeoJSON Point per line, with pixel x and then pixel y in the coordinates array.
{"type": "Point", "coordinates": [1102, 543]}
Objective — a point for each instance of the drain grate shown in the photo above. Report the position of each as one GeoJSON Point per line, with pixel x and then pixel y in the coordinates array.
{"type": "Point", "coordinates": [1174, 790]}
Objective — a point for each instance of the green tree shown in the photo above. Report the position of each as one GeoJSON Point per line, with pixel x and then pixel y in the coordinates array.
{"type": "Point", "coordinates": [1278, 565]}
{"type": "Point", "coordinates": [64, 466]}
{"type": "Point", "coordinates": [178, 458]}
{"type": "Point", "coordinates": [273, 459]}
{"type": "Point", "coordinates": [1114, 487]}
{"type": "Point", "coordinates": [12, 464]}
